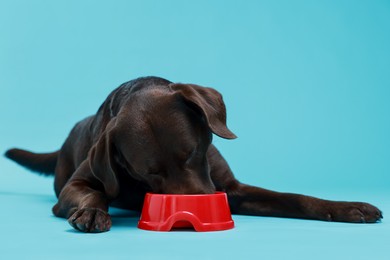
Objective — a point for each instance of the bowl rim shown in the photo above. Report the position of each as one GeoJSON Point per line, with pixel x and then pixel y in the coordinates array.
{"type": "Point", "coordinates": [170, 195]}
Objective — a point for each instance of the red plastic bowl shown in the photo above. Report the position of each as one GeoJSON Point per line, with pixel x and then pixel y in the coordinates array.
{"type": "Point", "coordinates": [203, 212]}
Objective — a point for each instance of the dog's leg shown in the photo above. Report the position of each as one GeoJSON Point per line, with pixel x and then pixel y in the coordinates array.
{"type": "Point", "coordinates": [83, 202]}
{"type": "Point", "coordinates": [63, 172]}
{"type": "Point", "coordinates": [249, 200]}
{"type": "Point", "coordinates": [245, 199]}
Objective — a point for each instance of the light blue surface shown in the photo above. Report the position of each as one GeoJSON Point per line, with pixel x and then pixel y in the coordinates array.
{"type": "Point", "coordinates": [306, 85]}
{"type": "Point", "coordinates": [29, 231]}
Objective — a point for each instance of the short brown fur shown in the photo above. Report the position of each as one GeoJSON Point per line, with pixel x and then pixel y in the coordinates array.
{"type": "Point", "coordinates": [152, 135]}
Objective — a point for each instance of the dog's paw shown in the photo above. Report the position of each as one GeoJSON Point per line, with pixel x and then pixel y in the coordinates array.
{"type": "Point", "coordinates": [353, 212]}
{"type": "Point", "coordinates": [91, 220]}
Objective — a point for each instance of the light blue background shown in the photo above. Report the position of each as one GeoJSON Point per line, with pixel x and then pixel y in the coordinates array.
{"type": "Point", "coordinates": [307, 90]}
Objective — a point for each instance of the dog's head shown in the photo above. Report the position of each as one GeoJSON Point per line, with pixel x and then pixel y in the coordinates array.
{"type": "Point", "coordinates": [160, 137]}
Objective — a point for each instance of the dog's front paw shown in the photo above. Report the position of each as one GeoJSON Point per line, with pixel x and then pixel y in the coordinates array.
{"type": "Point", "coordinates": [354, 212]}
{"type": "Point", "coordinates": [90, 220]}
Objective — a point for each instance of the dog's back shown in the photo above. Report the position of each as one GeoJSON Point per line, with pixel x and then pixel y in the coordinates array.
{"type": "Point", "coordinates": [82, 136]}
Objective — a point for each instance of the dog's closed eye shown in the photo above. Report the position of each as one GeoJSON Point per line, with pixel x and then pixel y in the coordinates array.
{"type": "Point", "coordinates": [190, 155]}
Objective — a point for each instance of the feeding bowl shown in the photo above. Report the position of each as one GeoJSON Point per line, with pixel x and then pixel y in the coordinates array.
{"type": "Point", "coordinates": [203, 212]}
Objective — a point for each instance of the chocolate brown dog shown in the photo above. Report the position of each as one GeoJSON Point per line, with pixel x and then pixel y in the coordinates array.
{"type": "Point", "coordinates": [152, 135]}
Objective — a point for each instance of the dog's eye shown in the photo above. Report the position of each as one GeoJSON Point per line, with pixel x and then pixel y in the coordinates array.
{"type": "Point", "coordinates": [190, 155]}
{"type": "Point", "coordinates": [156, 173]}
{"type": "Point", "coordinates": [153, 171]}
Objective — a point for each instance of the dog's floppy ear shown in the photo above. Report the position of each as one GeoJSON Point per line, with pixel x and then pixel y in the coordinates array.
{"type": "Point", "coordinates": [210, 103]}
{"type": "Point", "coordinates": [101, 161]}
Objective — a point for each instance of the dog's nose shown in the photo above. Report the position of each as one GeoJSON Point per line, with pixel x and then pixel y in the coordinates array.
{"type": "Point", "coordinates": [188, 190]}
{"type": "Point", "coordinates": [203, 191]}
{"type": "Point", "coordinates": [187, 182]}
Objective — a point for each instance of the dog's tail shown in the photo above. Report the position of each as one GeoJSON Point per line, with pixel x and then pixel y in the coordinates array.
{"type": "Point", "coordinates": [44, 163]}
